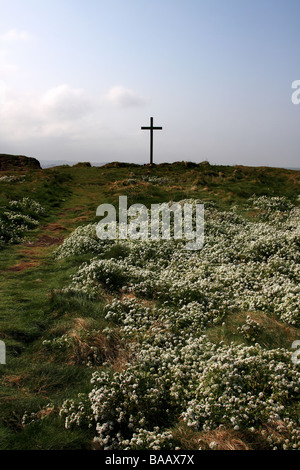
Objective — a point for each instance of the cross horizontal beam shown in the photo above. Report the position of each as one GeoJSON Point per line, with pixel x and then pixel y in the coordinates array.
{"type": "Point", "coordinates": [151, 128]}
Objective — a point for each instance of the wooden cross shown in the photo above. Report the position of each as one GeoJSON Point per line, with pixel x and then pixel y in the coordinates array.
{"type": "Point", "coordinates": [151, 129]}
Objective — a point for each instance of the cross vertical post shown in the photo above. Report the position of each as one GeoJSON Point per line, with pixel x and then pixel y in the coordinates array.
{"type": "Point", "coordinates": [151, 129]}
{"type": "Point", "coordinates": [151, 141]}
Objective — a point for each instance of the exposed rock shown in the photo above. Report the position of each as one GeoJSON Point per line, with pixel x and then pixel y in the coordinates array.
{"type": "Point", "coordinates": [18, 162]}
{"type": "Point", "coordinates": [82, 164]}
{"type": "Point", "coordinates": [190, 164]}
{"type": "Point", "coordinates": [119, 165]}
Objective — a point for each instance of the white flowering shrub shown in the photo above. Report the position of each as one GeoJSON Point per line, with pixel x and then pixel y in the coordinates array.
{"type": "Point", "coordinates": [155, 179]}
{"type": "Point", "coordinates": [10, 233]}
{"type": "Point", "coordinates": [244, 265]}
{"type": "Point", "coordinates": [130, 316]}
{"type": "Point", "coordinates": [27, 206]}
{"type": "Point", "coordinates": [141, 439]}
{"type": "Point", "coordinates": [282, 435]}
{"type": "Point", "coordinates": [12, 179]}
{"type": "Point", "coordinates": [164, 298]}
{"type": "Point", "coordinates": [271, 207]}
{"type": "Point", "coordinates": [19, 217]}
{"type": "Point", "coordinates": [82, 240]}
{"type": "Point", "coordinates": [133, 318]}
{"type": "Point", "coordinates": [251, 329]}
{"type": "Point", "coordinates": [21, 220]}
{"type": "Point", "coordinates": [189, 378]}
{"type": "Point", "coordinates": [243, 386]}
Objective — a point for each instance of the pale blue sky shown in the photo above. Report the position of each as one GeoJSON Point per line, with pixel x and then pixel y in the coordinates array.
{"type": "Point", "coordinates": [78, 78]}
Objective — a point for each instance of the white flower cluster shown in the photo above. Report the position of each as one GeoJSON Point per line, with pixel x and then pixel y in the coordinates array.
{"type": "Point", "coordinates": [82, 240]}
{"type": "Point", "coordinates": [243, 386]}
{"type": "Point", "coordinates": [191, 379]}
{"type": "Point", "coordinates": [170, 297]}
{"type": "Point", "coordinates": [20, 217]}
{"type": "Point", "coordinates": [147, 179]}
{"type": "Point", "coordinates": [12, 179]}
{"type": "Point", "coordinates": [282, 435]}
{"type": "Point", "coordinates": [27, 206]}
{"type": "Point", "coordinates": [244, 265]}
{"type": "Point", "coordinates": [155, 179]}
{"type": "Point", "coordinates": [76, 413]}
{"type": "Point", "coordinates": [271, 207]}
{"type": "Point", "coordinates": [133, 318]}
{"type": "Point", "coordinates": [141, 439]}
{"type": "Point", "coordinates": [61, 342]}
{"type": "Point", "coordinates": [33, 417]}
{"type": "Point", "coordinates": [250, 329]}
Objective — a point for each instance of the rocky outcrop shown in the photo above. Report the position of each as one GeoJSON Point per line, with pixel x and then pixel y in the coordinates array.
{"type": "Point", "coordinates": [119, 165]}
{"type": "Point", "coordinates": [82, 164]}
{"type": "Point", "coordinates": [18, 162]}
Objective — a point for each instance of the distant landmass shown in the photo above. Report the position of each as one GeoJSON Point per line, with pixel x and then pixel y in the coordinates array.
{"type": "Point", "coordinates": [53, 163]}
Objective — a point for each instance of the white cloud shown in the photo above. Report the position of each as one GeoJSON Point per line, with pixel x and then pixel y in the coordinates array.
{"type": "Point", "coordinates": [8, 40]}
{"type": "Point", "coordinates": [65, 103]}
{"type": "Point", "coordinates": [6, 67]}
{"type": "Point", "coordinates": [124, 97]}
{"type": "Point", "coordinates": [63, 120]}
{"type": "Point", "coordinates": [2, 91]}
{"type": "Point", "coordinates": [13, 35]}
{"type": "Point", "coordinates": [62, 111]}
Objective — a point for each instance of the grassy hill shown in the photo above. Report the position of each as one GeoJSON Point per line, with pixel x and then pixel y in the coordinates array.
{"type": "Point", "coordinates": [58, 335]}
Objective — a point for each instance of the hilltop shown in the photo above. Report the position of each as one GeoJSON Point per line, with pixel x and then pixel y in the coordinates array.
{"type": "Point", "coordinates": [84, 187]}
{"type": "Point", "coordinates": [18, 162]}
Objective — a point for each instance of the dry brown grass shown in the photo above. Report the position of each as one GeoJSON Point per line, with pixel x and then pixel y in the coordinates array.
{"type": "Point", "coordinates": [218, 439]}
{"type": "Point", "coordinates": [45, 412]}
{"type": "Point", "coordinates": [224, 438]}
{"type": "Point", "coordinates": [23, 266]}
{"type": "Point", "coordinates": [12, 380]}
{"type": "Point", "coordinates": [90, 345]}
